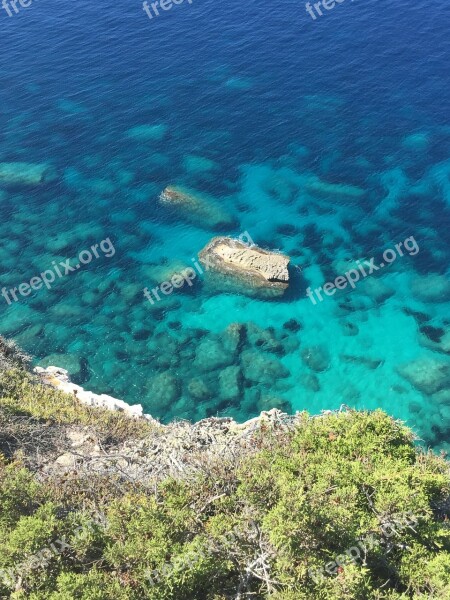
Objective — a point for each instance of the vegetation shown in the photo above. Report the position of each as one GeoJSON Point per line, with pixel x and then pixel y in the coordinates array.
{"type": "Point", "coordinates": [281, 521]}
{"type": "Point", "coordinates": [22, 394]}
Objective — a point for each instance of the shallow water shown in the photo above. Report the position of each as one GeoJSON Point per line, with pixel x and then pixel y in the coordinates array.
{"type": "Point", "coordinates": [258, 108]}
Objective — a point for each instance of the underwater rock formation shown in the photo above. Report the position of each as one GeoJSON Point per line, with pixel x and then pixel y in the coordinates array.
{"type": "Point", "coordinates": [210, 355]}
{"type": "Point", "coordinates": [259, 368]}
{"type": "Point", "coordinates": [428, 375]}
{"type": "Point", "coordinates": [196, 208]}
{"type": "Point", "coordinates": [317, 187]}
{"type": "Point", "coordinates": [147, 133]}
{"type": "Point", "coordinates": [230, 381]}
{"type": "Point", "coordinates": [431, 288]}
{"type": "Point", "coordinates": [22, 173]}
{"type": "Point", "coordinates": [199, 390]}
{"type": "Point", "coordinates": [316, 358]}
{"type": "Point", "coordinates": [164, 390]}
{"type": "Point", "coordinates": [191, 373]}
{"type": "Point", "coordinates": [229, 261]}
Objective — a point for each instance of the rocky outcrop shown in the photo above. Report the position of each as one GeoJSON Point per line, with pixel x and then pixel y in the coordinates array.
{"type": "Point", "coordinates": [59, 379]}
{"type": "Point", "coordinates": [178, 449]}
{"type": "Point", "coordinates": [22, 173]}
{"type": "Point", "coordinates": [69, 362]}
{"type": "Point", "coordinates": [197, 208]}
{"type": "Point", "coordinates": [229, 261]}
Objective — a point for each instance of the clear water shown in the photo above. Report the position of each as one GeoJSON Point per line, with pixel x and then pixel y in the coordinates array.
{"type": "Point", "coordinates": [246, 103]}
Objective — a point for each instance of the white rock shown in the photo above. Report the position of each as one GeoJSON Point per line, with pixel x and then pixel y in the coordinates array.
{"type": "Point", "coordinates": [59, 379]}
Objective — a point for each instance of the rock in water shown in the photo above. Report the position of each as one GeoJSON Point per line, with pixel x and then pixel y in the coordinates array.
{"type": "Point", "coordinates": [69, 362]}
{"type": "Point", "coordinates": [249, 269]}
{"type": "Point", "coordinates": [21, 173]}
{"type": "Point", "coordinates": [196, 208]}
{"type": "Point", "coordinates": [431, 288]}
{"type": "Point", "coordinates": [428, 375]}
{"type": "Point", "coordinates": [147, 133]}
{"type": "Point", "coordinates": [320, 188]}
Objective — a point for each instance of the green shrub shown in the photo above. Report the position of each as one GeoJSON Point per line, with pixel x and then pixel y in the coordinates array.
{"type": "Point", "coordinates": [281, 524]}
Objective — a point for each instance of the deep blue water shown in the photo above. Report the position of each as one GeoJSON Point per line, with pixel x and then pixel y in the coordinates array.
{"type": "Point", "coordinates": [258, 106]}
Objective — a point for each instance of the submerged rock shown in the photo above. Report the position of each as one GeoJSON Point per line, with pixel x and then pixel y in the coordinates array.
{"type": "Point", "coordinates": [431, 288]}
{"type": "Point", "coordinates": [233, 337]}
{"type": "Point", "coordinates": [442, 398]}
{"type": "Point", "coordinates": [231, 262]}
{"type": "Point", "coordinates": [163, 391]}
{"type": "Point", "coordinates": [349, 328]}
{"type": "Point", "coordinates": [230, 382]}
{"type": "Point", "coordinates": [435, 337]}
{"type": "Point", "coordinates": [198, 389]}
{"type": "Point", "coordinates": [310, 382]}
{"type": "Point", "coordinates": [417, 142]}
{"type": "Point", "coordinates": [263, 339]}
{"type": "Point", "coordinates": [317, 187]}
{"type": "Point", "coordinates": [259, 368]}
{"type": "Point", "coordinates": [293, 325]}
{"type": "Point", "coordinates": [22, 173]}
{"type": "Point", "coordinates": [146, 133]}
{"type": "Point", "coordinates": [445, 342]}
{"type": "Point", "coordinates": [377, 289]}
{"type": "Point", "coordinates": [197, 208]}
{"type": "Point", "coordinates": [370, 363]}
{"type": "Point", "coordinates": [211, 355]}
{"type": "Point", "coordinates": [428, 375]}
{"type": "Point", "coordinates": [160, 273]}
{"type": "Point", "coordinates": [198, 164]}
{"type": "Point", "coordinates": [316, 358]}
{"type": "Point", "coordinates": [266, 403]}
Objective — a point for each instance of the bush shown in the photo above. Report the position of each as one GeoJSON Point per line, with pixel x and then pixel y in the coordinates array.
{"type": "Point", "coordinates": [12, 356]}
{"type": "Point", "coordinates": [344, 506]}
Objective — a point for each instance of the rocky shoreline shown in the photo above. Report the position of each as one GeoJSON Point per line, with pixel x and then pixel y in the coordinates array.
{"type": "Point", "coordinates": [59, 379]}
{"type": "Point", "coordinates": [177, 449]}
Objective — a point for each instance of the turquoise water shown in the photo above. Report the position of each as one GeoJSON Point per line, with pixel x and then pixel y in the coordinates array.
{"type": "Point", "coordinates": [256, 113]}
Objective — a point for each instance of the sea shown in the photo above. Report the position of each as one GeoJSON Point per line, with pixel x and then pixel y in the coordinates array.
{"type": "Point", "coordinates": [320, 131]}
